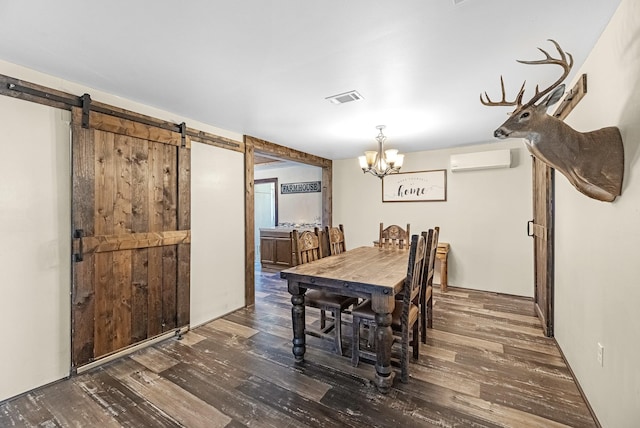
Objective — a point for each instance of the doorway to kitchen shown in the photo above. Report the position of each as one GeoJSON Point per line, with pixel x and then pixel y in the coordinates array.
{"type": "Point", "coordinates": [256, 150]}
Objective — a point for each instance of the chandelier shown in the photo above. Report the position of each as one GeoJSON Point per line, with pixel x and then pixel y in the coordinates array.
{"type": "Point", "coordinates": [383, 162]}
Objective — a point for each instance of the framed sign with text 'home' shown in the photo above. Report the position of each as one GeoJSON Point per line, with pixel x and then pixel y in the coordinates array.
{"type": "Point", "coordinates": [419, 186]}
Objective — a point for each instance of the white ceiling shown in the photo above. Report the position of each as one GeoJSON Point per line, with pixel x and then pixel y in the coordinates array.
{"type": "Point", "coordinates": [265, 67]}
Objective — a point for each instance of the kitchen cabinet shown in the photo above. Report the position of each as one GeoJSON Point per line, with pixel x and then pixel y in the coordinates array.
{"type": "Point", "coordinates": [276, 249]}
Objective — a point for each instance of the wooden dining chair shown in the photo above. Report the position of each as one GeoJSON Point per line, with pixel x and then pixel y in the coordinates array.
{"type": "Point", "coordinates": [307, 246]}
{"type": "Point", "coordinates": [426, 295]}
{"type": "Point", "coordinates": [394, 235]}
{"type": "Point", "coordinates": [405, 317]}
{"type": "Point", "coordinates": [335, 238]}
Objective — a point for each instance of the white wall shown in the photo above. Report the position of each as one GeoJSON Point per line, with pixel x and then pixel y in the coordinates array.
{"type": "Point", "coordinates": [484, 217]}
{"type": "Point", "coordinates": [597, 287]}
{"type": "Point", "coordinates": [35, 246]}
{"type": "Point", "coordinates": [296, 207]}
{"type": "Point", "coordinates": [217, 230]}
{"type": "Point", "coordinates": [35, 212]}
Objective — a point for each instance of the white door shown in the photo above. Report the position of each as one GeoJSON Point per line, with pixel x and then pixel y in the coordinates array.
{"type": "Point", "coordinates": [265, 209]}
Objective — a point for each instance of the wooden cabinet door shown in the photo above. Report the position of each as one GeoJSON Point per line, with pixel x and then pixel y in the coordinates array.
{"type": "Point", "coordinates": [283, 252]}
{"type": "Point", "coordinates": [131, 226]}
{"type": "Point", "coordinates": [267, 250]}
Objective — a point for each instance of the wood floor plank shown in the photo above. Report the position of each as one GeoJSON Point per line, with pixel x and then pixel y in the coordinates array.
{"type": "Point", "coordinates": [231, 327]}
{"type": "Point", "coordinates": [446, 379]}
{"type": "Point", "coordinates": [539, 357]}
{"type": "Point", "coordinates": [179, 404]}
{"type": "Point", "coordinates": [505, 416]}
{"type": "Point", "coordinates": [222, 370]}
{"type": "Point", "coordinates": [25, 411]}
{"type": "Point", "coordinates": [284, 332]}
{"type": "Point", "coordinates": [460, 339]}
{"type": "Point", "coordinates": [497, 315]}
{"type": "Point", "coordinates": [295, 406]}
{"type": "Point", "coordinates": [284, 375]}
{"type": "Point", "coordinates": [565, 409]}
{"type": "Point", "coordinates": [191, 338]}
{"type": "Point", "coordinates": [122, 403]}
{"type": "Point", "coordinates": [511, 322]}
{"type": "Point", "coordinates": [236, 405]}
{"type": "Point", "coordinates": [71, 406]}
{"type": "Point", "coordinates": [443, 354]}
{"type": "Point", "coordinates": [397, 408]}
{"type": "Point", "coordinates": [154, 360]}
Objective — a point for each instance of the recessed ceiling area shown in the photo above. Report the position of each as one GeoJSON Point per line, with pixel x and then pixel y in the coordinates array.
{"type": "Point", "coordinates": [265, 68]}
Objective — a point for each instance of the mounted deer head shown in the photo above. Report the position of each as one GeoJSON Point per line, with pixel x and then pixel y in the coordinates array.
{"type": "Point", "coordinates": [593, 162]}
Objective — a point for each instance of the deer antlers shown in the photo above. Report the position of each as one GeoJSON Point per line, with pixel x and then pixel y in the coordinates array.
{"type": "Point", "coordinates": [563, 62]}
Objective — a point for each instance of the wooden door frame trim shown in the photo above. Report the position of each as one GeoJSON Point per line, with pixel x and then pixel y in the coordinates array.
{"type": "Point", "coordinates": [253, 145]}
{"type": "Point", "coordinates": [549, 242]}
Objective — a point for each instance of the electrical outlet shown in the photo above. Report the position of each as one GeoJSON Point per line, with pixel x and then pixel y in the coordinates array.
{"type": "Point", "coordinates": [600, 354]}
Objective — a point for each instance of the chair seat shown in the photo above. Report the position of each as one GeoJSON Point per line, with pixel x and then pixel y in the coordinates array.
{"type": "Point", "coordinates": [365, 311]}
{"type": "Point", "coordinates": [330, 302]}
{"type": "Point", "coordinates": [320, 299]}
{"type": "Point", "coordinates": [428, 292]}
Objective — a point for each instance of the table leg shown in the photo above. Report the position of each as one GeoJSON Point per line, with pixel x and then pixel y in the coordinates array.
{"type": "Point", "coordinates": [443, 274]}
{"type": "Point", "coordinates": [298, 320]}
{"type": "Point", "coordinates": [384, 337]}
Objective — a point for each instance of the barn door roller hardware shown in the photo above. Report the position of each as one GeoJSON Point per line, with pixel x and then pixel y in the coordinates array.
{"type": "Point", "coordinates": [86, 108]}
{"type": "Point", "coordinates": [183, 134]}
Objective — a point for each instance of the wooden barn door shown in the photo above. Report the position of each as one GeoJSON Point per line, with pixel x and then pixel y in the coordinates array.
{"type": "Point", "coordinates": [542, 232]}
{"type": "Point", "coordinates": [131, 226]}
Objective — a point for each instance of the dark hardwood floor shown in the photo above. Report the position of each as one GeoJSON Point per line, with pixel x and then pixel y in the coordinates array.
{"type": "Point", "coordinates": [486, 364]}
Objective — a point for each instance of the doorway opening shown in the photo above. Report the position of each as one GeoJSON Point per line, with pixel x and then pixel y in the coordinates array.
{"type": "Point", "coordinates": [256, 150]}
{"type": "Point", "coordinates": [265, 209]}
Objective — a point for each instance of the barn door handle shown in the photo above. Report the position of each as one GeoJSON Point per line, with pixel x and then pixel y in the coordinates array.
{"type": "Point", "coordinates": [530, 228]}
{"type": "Point", "coordinates": [79, 256]}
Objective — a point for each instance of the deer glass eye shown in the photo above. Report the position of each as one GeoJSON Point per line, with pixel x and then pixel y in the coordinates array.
{"type": "Point", "coordinates": [524, 115]}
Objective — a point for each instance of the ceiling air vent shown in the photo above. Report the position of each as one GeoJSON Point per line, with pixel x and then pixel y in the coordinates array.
{"type": "Point", "coordinates": [344, 97]}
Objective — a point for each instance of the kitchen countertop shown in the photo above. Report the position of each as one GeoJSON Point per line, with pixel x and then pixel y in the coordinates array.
{"type": "Point", "coordinates": [289, 228]}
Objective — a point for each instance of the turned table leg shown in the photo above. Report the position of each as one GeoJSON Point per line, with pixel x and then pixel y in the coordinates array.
{"type": "Point", "coordinates": [384, 337]}
{"type": "Point", "coordinates": [298, 320]}
{"type": "Point", "coordinates": [383, 305]}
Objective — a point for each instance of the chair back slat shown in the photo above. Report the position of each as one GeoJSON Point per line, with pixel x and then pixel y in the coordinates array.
{"type": "Point", "coordinates": [307, 246]}
{"type": "Point", "coordinates": [431, 246]}
{"type": "Point", "coordinates": [412, 284]}
{"type": "Point", "coordinates": [335, 236]}
{"type": "Point", "coordinates": [394, 236]}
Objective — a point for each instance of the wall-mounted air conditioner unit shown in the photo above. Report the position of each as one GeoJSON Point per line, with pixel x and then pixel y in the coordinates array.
{"type": "Point", "coordinates": [481, 160]}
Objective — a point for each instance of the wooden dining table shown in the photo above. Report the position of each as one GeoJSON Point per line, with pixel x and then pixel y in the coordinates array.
{"type": "Point", "coordinates": [366, 272]}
